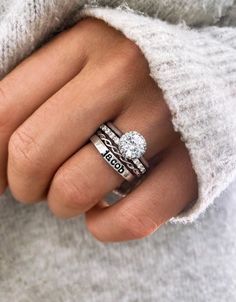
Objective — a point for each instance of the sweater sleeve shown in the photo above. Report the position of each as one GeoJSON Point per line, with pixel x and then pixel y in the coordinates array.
{"type": "Point", "coordinates": [196, 70]}
{"type": "Point", "coordinates": [192, 12]}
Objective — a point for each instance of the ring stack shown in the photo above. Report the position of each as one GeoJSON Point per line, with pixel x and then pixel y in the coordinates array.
{"type": "Point", "coordinates": [110, 158]}
{"type": "Point", "coordinates": [123, 152]}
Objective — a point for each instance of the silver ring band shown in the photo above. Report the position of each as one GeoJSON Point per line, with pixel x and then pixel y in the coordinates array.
{"type": "Point", "coordinates": [115, 134]}
{"type": "Point", "coordinates": [111, 159]}
{"type": "Point", "coordinates": [119, 134]}
{"type": "Point", "coordinates": [114, 149]}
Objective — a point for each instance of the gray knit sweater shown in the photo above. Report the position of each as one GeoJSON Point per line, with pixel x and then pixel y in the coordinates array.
{"type": "Point", "coordinates": [191, 50]}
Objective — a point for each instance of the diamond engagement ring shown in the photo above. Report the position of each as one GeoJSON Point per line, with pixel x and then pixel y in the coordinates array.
{"type": "Point", "coordinates": [132, 145]}
{"type": "Point", "coordinates": [123, 152]}
{"type": "Point", "coordinates": [110, 158]}
{"type": "Point", "coordinates": [126, 150]}
{"type": "Point", "coordinates": [115, 134]}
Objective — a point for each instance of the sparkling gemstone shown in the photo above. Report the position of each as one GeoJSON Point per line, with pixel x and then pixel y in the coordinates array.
{"type": "Point", "coordinates": [132, 145]}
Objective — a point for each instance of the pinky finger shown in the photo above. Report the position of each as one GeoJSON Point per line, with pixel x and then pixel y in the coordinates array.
{"type": "Point", "coordinates": [170, 187]}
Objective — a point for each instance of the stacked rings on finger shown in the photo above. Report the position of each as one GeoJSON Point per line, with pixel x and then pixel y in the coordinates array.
{"type": "Point", "coordinates": [123, 152]}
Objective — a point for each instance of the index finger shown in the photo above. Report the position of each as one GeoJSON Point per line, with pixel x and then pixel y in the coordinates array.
{"type": "Point", "coordinates": [32, 82]}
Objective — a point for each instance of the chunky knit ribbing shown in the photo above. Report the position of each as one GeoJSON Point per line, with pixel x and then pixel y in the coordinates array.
{"type": "Point", "coordinates": [196, 69]}
{"type": "Point", "coordinates": [24, 25]}
{"type": "Point", "coordinates": [50, 260]}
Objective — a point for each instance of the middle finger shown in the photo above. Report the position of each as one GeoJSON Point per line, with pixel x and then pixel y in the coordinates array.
{"type": "Point", "coordinates": [84, 180]}
{"type": "Point", "coordinates": [56, 130]}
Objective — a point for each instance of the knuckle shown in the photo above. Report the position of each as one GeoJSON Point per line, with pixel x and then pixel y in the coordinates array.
{"type": "Point", "coordinates": [24, 152]}
{"type": "Point", "coordinates": [87, 24]}
{"type": "Point", "coordinates": [128, 69]}
{"type": "Point", "coordinates": [131, 60]}
{"type": "Point", "coordinates": [136, 227]}
{"type": "Point", "coordinates": [71, 193]}
{"type": "Point", "coordinates": [124, 71]}
{"type": "Point", "coordinates": [90, 30]}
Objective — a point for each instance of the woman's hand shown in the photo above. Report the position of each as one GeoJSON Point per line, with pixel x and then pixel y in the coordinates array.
{"type": "Point", "coordinates": [54, 101]}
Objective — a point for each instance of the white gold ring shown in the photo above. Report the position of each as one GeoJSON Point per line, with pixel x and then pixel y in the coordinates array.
{"type": "Point", "coordinates": [132, 145]}
{"type": "Point", "coordinates": [115, 134]}
{"type": "Point", "coordinates": [111, 159]}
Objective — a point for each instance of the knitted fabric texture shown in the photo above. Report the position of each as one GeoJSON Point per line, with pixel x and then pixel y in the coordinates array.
{"type": "Point", "coordinates": [50, 260]}
{"type": "Point", "coordinates": [195, 68]}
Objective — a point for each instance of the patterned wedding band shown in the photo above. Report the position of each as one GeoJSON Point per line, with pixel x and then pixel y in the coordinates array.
{"type": "Point", "coordinates": [132, 145]}
{"type": "Point", "coordinates": [111, 159]}
{"type": "Point", "coordinates": [110, 144]}
{"type": "Point", "coordinates": [123, 152]}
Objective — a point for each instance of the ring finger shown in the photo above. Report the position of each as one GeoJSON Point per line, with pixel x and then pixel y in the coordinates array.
{"type": "Point", "coordinates": [71, 116]}
{"type": "Point", "coordinates": [84, 180]}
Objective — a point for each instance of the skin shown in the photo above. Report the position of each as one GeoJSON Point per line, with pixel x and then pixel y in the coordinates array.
{"type": "Point", "coordinates": [55, 100]}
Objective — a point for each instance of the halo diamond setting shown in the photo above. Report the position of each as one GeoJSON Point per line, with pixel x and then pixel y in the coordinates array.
{"type": "Point", "coordinates": [132, 145]}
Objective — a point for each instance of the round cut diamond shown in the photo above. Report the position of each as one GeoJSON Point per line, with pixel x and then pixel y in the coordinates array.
{"type": "Point", "coordinates": [132, 145]}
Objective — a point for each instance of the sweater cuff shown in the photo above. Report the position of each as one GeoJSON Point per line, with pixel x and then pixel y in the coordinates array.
{"type": "Point", "coordinates": [196, 71]}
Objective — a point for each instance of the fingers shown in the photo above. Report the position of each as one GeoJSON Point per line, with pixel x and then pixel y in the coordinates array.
{"type": "Point", "coordinates": [65, 122]}
{"type": "Point", "coordinates": [57, 130]}
{"type": "Point", "coordinates": [72, 115]}
{"type": "Point", "coordinates": [149, 115]}
{"type": "Point", "coordinates": [86, 178]}
{"type": "Point", "coordinates": [31, 83]}
{"type": "Point", "coordinates": [81, 183]}
{"type": "Point", "coordinates": [165, 193]}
